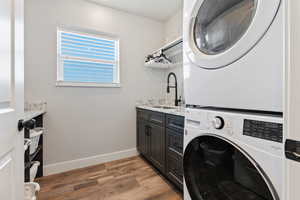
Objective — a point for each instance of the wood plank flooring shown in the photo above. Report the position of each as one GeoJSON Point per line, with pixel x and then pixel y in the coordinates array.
{"type": "Point", "coordinates": [127, 179]}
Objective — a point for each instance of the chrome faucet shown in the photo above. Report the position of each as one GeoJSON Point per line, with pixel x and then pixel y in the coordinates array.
{"type": "Point", "coordinates": [175, 87]}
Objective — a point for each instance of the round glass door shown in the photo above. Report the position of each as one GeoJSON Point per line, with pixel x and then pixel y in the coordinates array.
{"type": "Point", "coordinates": [214, 169]}
{"type": "Point", "coordinates": [217, 33]}
{"type": "Point", "coordinates": [220, 24]}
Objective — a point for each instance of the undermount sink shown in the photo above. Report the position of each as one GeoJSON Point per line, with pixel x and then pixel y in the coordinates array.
{"type": "Point", "coordinates": [165, 107]}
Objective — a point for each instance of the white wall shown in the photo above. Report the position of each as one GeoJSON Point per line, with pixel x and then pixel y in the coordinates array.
{"type": "Point", "coordinates": [173, 30]}
{"type": "Point", "coordinates": [173, 27]}
{"type": "Point", "coordinates": [84, 122]}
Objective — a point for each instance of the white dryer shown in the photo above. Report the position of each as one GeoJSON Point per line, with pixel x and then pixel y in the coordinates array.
{"type": "Point", "coordinates": [234, 54]}
{"type": "Point", "coordinates": [233, 156]}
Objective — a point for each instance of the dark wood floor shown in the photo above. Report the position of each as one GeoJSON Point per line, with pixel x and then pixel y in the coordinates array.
{"type": "Point", "coordinates": [127, 179]}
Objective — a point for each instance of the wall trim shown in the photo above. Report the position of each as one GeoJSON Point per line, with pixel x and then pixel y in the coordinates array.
{"type": "Point", "coordinates": [88, 161]}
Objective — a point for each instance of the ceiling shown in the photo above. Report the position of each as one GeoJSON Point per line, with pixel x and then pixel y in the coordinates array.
{"type": "Point", "coordinates": [159, 10]}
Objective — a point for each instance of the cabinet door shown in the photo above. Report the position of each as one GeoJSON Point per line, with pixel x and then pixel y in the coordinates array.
{"type": "Point", "coordinates": [174, 168]}
{"type": "Point", "coordinates": [174, 150]}
{"type": "Point", "coordinates": [142, 138]}
{"type": "Point", "coordinates": [174, 141]}
{"type": "Point", "coordinates": [157, 146]}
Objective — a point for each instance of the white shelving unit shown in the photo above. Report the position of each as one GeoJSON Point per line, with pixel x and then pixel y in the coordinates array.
{"type": "Point", "coordinates": [153, 64]}
{"type": "Point", "coordinates": [173, 52]}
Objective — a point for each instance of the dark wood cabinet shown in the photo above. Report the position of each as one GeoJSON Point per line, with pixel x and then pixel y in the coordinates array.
{"type": "Point", "coordinates": [174, 169]}
{"type": "Point", "coordinates": [143, 143]}
{"type": "Point", "coordinates": [160, 141]}
{"type": "Point", "coordinates": [151, 137]}
{"type": "Point", "coordinates": [174, 151]}
{"type": "Point", "coordinates": [157, 146]}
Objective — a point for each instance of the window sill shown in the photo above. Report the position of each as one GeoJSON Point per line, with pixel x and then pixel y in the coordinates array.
{"type": "Point", "coordinates": [100, 85]}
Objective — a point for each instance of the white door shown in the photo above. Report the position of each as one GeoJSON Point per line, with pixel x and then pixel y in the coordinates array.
{"type": "Point", "coordinates": [220, 32]}
{"type": "Point", "coordinates": [11, 100]}
{"type": "Point", "coordinates": [293, 100]}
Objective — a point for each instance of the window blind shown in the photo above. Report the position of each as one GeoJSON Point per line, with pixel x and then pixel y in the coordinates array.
{"type": "Point", "coordinates": [85, 58]}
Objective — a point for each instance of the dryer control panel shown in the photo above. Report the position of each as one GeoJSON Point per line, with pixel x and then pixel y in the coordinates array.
{"type": "Point", "coordinates": [263, 130]}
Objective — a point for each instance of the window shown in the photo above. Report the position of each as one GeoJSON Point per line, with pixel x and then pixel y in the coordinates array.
{"type": "Point", "coordinates": [86, 59]}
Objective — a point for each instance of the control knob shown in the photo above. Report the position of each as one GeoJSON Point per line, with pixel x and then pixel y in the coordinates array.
{"type": "Point", "coordinates": [218, 123]}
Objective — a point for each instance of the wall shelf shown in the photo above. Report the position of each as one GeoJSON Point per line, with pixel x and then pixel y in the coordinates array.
{"type": "Point", "coordinates": [172, 52]}
{"type": "Point", "coordinates": [169, 45]}
{"type": "Point", "coordinates": [153, 64]}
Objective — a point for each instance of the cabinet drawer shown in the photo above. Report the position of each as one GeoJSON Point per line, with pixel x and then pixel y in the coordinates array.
{"type": "Point", "coordinates": [156, 118]}
{"type": "Point", "coordinates": [175, 169]}
{"type": "Point", "coordinates": [153, 117]}
{"type": "Point", "coordinates": [175, 123]}
{"type": "Point", "coordinates": [143, 115]}
{"type": "Point", "coordinates": [174, 141]}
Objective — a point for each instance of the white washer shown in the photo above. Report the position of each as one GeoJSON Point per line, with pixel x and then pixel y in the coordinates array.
{"type": "Point", "coordinates": [234, 53]}
{"type": "Point", "coordinates": [233, 156]}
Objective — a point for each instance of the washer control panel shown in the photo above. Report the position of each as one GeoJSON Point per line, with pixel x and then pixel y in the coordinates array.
{"type": "Point", "coordinates": [218, 122]}
{"type": "Point", "coordinates": [263, 130]}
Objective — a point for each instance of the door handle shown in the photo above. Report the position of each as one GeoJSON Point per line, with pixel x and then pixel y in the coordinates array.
{"type": "Point", "coordinates": [296, 154]}
{"type": "Point", "coordinates": [292, 150]}
{"type": "Point", "coordinates": [29, 124]}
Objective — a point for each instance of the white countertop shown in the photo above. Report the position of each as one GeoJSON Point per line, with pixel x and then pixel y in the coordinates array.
{"type": "Point", "coordinates": [180, 111]}
{"type": "Point", "coordinates": [32, 114]}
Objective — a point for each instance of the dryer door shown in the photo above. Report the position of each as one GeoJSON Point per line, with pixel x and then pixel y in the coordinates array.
{"type": "Point", "coordinates": [220, 32]}
{"type": "Point", "coordinates": [215, 169]}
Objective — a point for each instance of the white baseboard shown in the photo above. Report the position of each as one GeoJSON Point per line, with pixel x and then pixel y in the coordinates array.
{"type": "Point", "coordinates": [89, 161]}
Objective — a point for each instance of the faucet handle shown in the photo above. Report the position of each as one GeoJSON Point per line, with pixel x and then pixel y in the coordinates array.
{"type": "Point", "coordinates": [179, 101]}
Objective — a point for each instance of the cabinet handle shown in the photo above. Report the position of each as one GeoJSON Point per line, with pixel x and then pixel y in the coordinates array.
{"type": "Point", "coordinates": [149, 130]}
{"type": "Point", "coordinates": [156, 120]}
{"type": "Point", "coordinates": [146, 130]}
{"type": "Point", "coordinates": [179, 126]}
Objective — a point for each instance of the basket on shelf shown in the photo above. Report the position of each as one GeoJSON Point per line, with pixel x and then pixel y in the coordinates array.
{"type": "Point", "coordinates": [30, 190]}
{"type": "Point", "coordinates": [35, 138]}
{"type": "Point", "coordinates": [27, 143]}
{"type": "Point", "coordinates": [34, 169]}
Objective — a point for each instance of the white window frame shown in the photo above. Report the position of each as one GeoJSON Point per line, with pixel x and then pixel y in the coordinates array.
{"type": "Point", "coordinates": [60, 68]}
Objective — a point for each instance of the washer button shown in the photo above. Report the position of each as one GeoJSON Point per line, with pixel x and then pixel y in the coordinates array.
{"type": "Point", "coordinates": [218, 123]}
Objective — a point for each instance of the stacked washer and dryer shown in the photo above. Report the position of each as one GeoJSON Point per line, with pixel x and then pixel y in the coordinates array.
{"type": "Point", "coordinates": [233, 79]}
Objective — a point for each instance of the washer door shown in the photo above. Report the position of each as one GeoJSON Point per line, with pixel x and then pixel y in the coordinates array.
{"type": "Point", "coordinates": [221, 32]}
{"type": "Point", "coordinates": [215, 169]}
